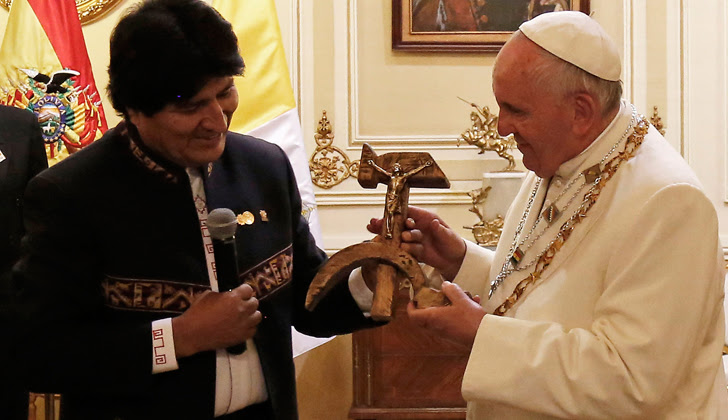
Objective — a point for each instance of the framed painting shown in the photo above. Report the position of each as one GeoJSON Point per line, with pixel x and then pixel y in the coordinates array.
{"type": "Point", "coordinates": [466, 25]}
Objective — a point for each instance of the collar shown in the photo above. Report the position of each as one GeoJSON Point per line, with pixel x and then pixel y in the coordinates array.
{"type": "Point", "coordinates": [153, 161]}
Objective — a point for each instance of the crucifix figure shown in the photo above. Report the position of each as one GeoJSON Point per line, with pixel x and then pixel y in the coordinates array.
{"type": "Point", "coordinates": [397, 181]}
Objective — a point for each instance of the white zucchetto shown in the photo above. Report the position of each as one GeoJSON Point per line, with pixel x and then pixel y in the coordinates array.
{"type": "Point", "coordinates": [578, 39]}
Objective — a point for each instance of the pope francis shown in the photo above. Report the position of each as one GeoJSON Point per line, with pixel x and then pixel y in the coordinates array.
{"type": "Point", "coordinates": [604, 297]}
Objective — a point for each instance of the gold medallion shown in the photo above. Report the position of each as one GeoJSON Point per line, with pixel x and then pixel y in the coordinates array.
{"type": "Point", "coordinates": [246, 218]}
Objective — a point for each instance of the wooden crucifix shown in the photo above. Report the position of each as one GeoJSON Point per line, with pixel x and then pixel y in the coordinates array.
{"type": "Point", "coordinates": [382, 259]}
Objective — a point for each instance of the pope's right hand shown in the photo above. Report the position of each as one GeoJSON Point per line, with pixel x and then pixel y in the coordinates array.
{"type": "Point", "coordinates": [216, 321]}
{"type": "Point", "coordinates": [430, 240]}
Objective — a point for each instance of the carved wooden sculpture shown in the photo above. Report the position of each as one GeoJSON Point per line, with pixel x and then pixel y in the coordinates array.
{"type": "Point", "coordinates": [382, 257]}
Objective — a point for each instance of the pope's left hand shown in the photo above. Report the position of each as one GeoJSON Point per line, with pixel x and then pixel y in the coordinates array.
{"type": "Point", "coordinates": [457, 322]}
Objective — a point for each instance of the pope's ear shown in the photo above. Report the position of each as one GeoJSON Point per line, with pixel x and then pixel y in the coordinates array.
{"type": "Point", "coordinates": [587, 113]}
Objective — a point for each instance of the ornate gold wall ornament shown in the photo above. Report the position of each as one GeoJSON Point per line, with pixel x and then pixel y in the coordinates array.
{"type": "Point", "coordinates": [483, 133]}
{"type": "Point", "coordinates": [486, 232]}
{"type": "Point", "coordinates": [656, 121]}
{"type": "Point", "coordinates": [329, 165]}
{"type": "Point", "coordinates": [88, 10]}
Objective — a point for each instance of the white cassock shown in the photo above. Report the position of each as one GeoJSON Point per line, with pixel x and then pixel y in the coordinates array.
{"type": "Point", "coordinates": [627, 321]}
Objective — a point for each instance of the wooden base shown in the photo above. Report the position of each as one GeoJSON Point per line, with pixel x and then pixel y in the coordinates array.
{"type": "Point", "coordinates": [402, 371]}
{"type": "Point", "coordinates": [407, 413]}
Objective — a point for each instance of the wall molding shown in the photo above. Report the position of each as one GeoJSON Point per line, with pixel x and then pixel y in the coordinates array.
{"type": "Point", "coordinates": [627, 49]}
{"type": "Point", "coordinates": [725, 100]}
{"type": "Point", "coordinates": [638, 29]}
{"type": "Point", "coordinates": [685, 88]}
{"type": "Point", "coordinates": [675, 65]}
{"type": "Point", "coordinates": [704, 103]}
{"type": "Point", "coordinates": [376, 198]}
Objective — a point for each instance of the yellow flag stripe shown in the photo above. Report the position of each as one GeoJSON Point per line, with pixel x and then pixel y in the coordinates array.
{"type": "Point", "coordinates": [265, 88]}
{"type": "Point", "coordinates": [25, 45]}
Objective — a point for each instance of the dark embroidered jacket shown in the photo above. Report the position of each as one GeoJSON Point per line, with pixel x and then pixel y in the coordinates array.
{"type": "Point", "coordinates": [114, 242]}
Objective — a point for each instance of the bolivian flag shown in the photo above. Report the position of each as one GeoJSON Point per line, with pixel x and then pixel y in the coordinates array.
{"type": "Point", "coordinates": [44, 67]}
{"type": "Point", "coordinates": [267, 107]}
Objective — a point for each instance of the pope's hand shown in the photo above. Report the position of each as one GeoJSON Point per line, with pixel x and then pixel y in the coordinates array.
{"type": "Point", "coordinates": [216, 320]}
{"type": "Point", "coordinates": [457, 322]}
{"type": "Point", "coordinates": [430, 240]}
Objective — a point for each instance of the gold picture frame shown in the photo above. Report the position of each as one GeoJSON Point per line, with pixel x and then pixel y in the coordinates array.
{"type": "Point", "coordinates": [88, 10]}
{"type": "Point", "coordinates": [465, 25]}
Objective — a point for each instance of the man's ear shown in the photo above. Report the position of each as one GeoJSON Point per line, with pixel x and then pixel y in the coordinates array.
{"type": "Point", "coordinates": [587, 113]}
{"type": "Point", "coordinates": [133, 116]}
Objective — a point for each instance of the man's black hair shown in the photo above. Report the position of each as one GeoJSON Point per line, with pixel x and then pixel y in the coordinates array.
{"type": "Point", "coordinates": [165, 51]}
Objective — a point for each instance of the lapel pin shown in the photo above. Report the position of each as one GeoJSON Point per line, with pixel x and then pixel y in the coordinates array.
{"type": "Point", "coordinates": [246, 218]}
{"type": "Point", "coordinates": [263, 215]}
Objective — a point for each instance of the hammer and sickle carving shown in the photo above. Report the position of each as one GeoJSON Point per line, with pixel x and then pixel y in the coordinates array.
{"type": "Point", "coordinates": [399, 171]}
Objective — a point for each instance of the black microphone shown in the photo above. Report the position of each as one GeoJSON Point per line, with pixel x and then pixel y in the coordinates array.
{"type": "Point", "coordinates": [222, 224]}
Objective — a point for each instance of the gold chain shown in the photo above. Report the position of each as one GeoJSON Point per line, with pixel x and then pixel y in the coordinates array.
{"type": "Point", "coordinates": [633, 143]}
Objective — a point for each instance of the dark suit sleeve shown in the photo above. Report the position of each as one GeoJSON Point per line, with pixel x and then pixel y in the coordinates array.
{"type": "Point", "coordinates": [69, 341]}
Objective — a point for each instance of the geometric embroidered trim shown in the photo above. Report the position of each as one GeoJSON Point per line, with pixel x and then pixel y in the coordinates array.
{"type": "Point", "coordinates": [149, 163]}
{"type": "Point", "coordinates": [149, 295]}
{"type": "Point", "coordinates": [153, 295]}
{"type": "Point", "coordinates": [271, 274]}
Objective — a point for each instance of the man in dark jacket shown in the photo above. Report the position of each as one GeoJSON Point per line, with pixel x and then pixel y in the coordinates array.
{"type": "Point", "coordinates": [126, 285]}
{"type": "Point", "coordinates": [22, 156]}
